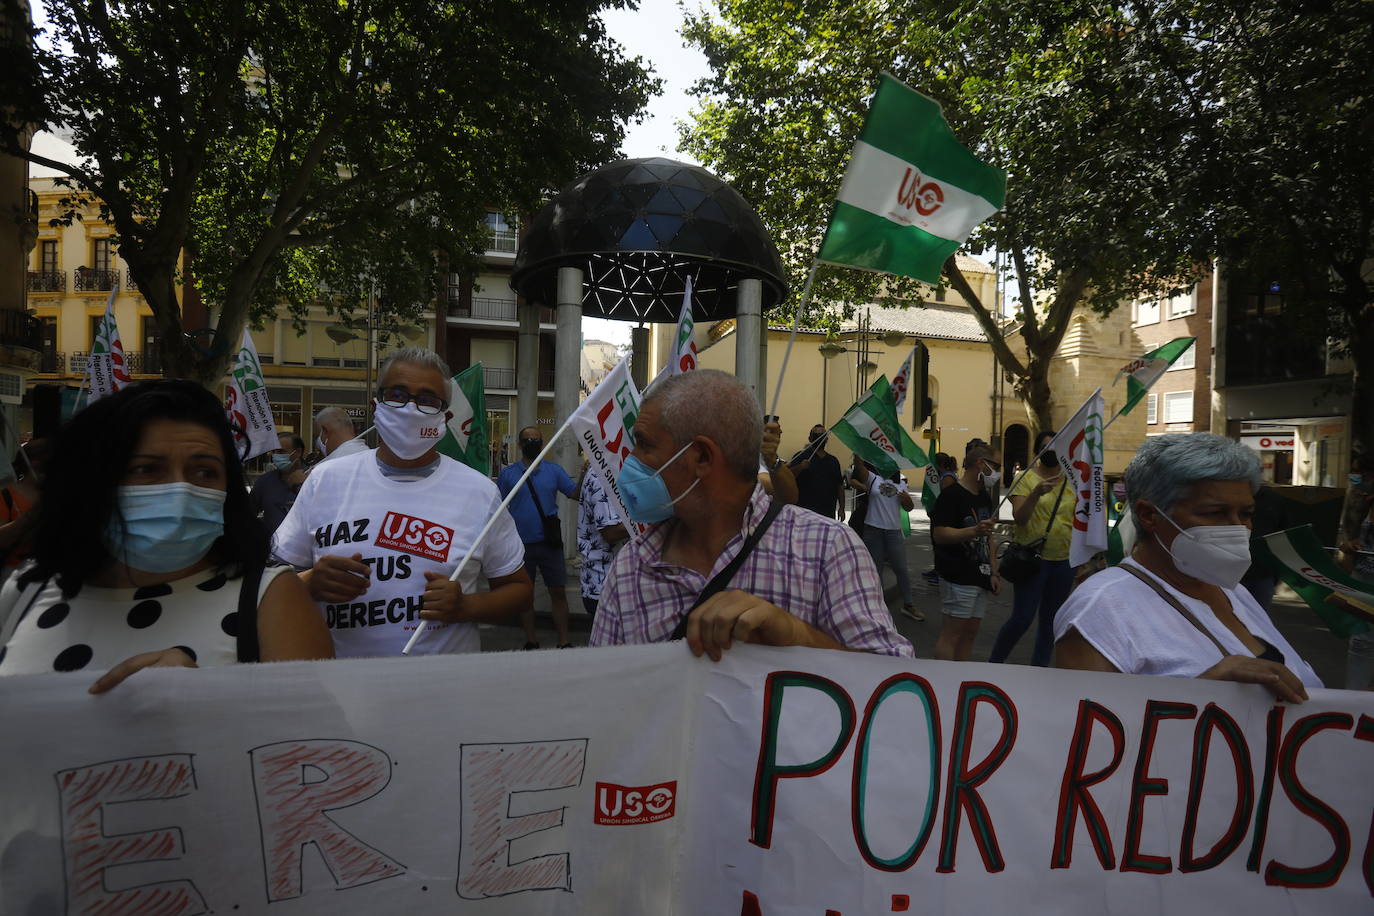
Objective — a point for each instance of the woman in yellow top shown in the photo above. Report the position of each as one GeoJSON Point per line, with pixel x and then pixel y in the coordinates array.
{"type": "Point", "coordinates": [1032, 505]}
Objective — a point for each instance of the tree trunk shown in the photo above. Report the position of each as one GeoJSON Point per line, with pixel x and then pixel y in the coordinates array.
{"type": "Point", "coordinates": [1034, 388]}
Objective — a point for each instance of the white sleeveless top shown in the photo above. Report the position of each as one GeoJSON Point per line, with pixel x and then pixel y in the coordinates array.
{"type": "Point", "coordinates": [97, 628]}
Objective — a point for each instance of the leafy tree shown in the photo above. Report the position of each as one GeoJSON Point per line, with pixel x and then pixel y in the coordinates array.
{"type": "Point", "coordinates": [1287, 86]}
{"type": "Point", "coordinates": [294, 146]}
{"type": "Point", "coordinates": [1069, 97]}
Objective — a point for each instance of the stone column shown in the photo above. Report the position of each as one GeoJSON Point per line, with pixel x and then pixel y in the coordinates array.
{"type": "Point", "coordinates": [567, 362]}
{"type": "Point", "coordinates": [749, 336]}
{"type": "Point", "coordinates": [527, 369]}
{"type": "Point", "coordinates": [639, 356]}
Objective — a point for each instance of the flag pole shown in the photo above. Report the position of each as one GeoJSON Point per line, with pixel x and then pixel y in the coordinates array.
{"type": "Point", "coordinates": [796, 321]}
{"type": "Point", "coordinates": [462, 564]}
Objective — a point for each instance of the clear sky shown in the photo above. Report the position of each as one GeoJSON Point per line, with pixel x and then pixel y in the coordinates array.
{"type": "Point", "coordinates": [652, 32]}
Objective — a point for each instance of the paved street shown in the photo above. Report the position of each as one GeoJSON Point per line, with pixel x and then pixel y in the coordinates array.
{"type": "Point", "coordinates": [1324, 652]}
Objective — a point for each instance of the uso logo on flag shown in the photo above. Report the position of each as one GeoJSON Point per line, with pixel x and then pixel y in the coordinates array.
{"type": "Point", "coordinates": [415, 535]}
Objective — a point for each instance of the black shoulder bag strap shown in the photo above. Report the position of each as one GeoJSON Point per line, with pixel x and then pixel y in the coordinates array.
{"type": "Point", "coordinates": [247, 638]}
{"type": "Point", "coordinates": [1174, 602]}
{"type": "Point", "coordinates": [1054, 513]}
{"type": "Point", "coordinates": [721, 580]}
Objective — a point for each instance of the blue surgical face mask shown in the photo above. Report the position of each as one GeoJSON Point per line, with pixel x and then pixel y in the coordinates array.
{"type": "Point", "coordinates": [167, 526]}
{"type": "Point", "coordinates": [1356, 479]}
{"type": "Point", "coordinates": [646, 495]}
{"type": "Point", "coordinates": [281, 462]}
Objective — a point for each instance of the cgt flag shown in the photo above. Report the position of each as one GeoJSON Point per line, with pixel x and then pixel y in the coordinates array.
{"type": "Point", "coordinates": [870, 429]}
{"type": "Point", "coordinates": [684, 355]}
{"type": "Point", "coordinates": [1345, 604]}
{"type": "Point", "coordinates": [912, 192]}
{"type": "Point", "coordinates": [1079, 447]}
{"type": "Point", "coordinates": [603, 425]}
{"type": "Point", "coordinates": [1143, 372]}
{"type": "Point", "coordinates": [466, 438]}
{"type": "Point", "coordinates": [106, 371]}
{"type": "Point", "coordinates": [247, 405]}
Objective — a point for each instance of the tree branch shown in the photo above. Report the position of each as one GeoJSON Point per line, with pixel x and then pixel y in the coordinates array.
{"type": "Point", "coordinates": [1004, 355]}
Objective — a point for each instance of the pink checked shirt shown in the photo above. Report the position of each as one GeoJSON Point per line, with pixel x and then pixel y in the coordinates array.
{"type": "Point", "coordinates": [815, 568]}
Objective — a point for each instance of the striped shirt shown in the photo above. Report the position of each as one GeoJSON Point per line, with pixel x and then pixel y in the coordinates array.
{"type": "Point", "coordinates": [813, 567]}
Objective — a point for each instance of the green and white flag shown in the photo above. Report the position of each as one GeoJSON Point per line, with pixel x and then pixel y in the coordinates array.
{"type": "Point", "coordinates": [466, 438]}
{"type": "Point", "coordinates": [912, 192]}
{"type": "Point", "coordinates": [247, 404]}
{"type": "Point", "coordinates": [1345, 604]}
{"type": "Point", "coordinates": [930, 488]}
{"type": "Point", "coordinates": [871, 431]}
{"type": "Point", "coordinates": [1143, 372]}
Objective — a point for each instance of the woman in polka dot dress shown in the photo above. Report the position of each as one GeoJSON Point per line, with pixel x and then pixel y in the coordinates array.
{"type": "Point", "coordinates": [146, 550]}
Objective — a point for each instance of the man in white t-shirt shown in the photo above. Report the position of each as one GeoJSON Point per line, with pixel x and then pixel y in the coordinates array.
{"type": "Point", "coordinates": [888, 498]}
{"type": "Point", "coordinates": [377, 534]}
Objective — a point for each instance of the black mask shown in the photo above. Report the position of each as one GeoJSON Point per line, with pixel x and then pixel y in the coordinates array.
{"type": "Point", "coordinates": [1049, 459]}
{"type": "Point", "coordinates": [531, 448]}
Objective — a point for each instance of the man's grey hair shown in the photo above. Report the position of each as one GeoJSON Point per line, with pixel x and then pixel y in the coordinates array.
{"type": "Point", "coordinates": [1165, 467]}
{"type": "Point", "coordinates": [334, 418]}
{"type": "Point", "coordinates": [714, 404]}
{"type": "Point", "coordinates": [415, 356]}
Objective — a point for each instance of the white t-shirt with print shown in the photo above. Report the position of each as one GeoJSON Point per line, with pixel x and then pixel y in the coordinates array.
{"type": "Point", "coordinates": [884, 508]}
{"type": "Point", "coordinates": [402, 529]}
{"type": "Point", "coordinates": [1141, 633]}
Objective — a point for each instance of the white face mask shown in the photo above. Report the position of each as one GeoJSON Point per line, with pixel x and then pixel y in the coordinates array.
{"type": "Point", "coordinates": [319, 444]}
{"type": "Point", "coordinates": [990, 478]}
{"type": "Point", "coordinates": [406, 431]}
{"type": "Point", "coordinates": [1218, 554]}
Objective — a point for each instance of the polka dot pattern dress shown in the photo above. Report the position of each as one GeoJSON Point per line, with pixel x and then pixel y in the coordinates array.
{"type": "Point", "coordinates": [97, 628]}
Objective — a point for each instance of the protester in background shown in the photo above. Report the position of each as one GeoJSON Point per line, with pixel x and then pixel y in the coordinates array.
{"type": "Point", "coordinates": [774, 474]}
{"type": "Point", "coordinates": [1042, 506]}
{"type": "Point", "coordinates": [19, 504]}
{"type": "Point", "coordinates": [275, 490]}
{"type": "Point", "coordinates": [709, 569]}
{"type": "Point", "coordinates": [946, 474]}
{"type": "Point", "coordinates": [1358, 557]}
{"type": "Point", "coordinates": [150, 557]}
{"type": "Point", "coordinates": [1271, 516]}
{"type": "Point", "coordinates": [600, 533]}
{"type": "Point", "coordinates": [335, 436]}
{"type": "Point", "coordinates": [887, 500]}
{"type": "Point", "coordinates": [379, 533]}
{"type": "Point", "coordinates": [961, 528]}
{"type": "Point", "coordinates": [820, 481]}
{"type": "Point", "coordinates": [535, 509]}
{"type": "Point", "coordinates": [1174, 607]}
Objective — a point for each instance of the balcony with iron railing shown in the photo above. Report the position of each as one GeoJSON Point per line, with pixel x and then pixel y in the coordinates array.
{"type": "Point", "coordinates": [52, 362]}
{"type": "Point", "coordinates": [484, 309]}
{"type": "Point", "coordinates": [21, 340]}
{"type": "Point", "coordinates": [143, 362]}
{"type": "Point", "coordinates": [129, 283]}
{"type": "Point", "coordinates": [90, 280]}
{"type": "Point", "coordinates": [47, 281]}
{"type": "Point", "coordinates": [507, 379]}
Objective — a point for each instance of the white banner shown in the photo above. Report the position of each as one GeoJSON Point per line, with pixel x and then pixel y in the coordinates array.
{"type": "Point", "coordinates": [1079, 445]}
{"type": "Point", "coordinates": [602, 425]}
{"type": "Point", "coordinates": [779, 781]}
{"type": "Point", "coordinates": [106, 369]}
{"type": "Point", "coordinates": [247, 405]}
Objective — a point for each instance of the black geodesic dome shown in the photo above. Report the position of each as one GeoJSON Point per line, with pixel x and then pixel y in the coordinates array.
{"type": "Point", "coordinates": [638, 228]}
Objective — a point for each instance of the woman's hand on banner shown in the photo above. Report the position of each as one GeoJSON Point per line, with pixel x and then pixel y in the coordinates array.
{"type": "Point", "coordinates": [175, 657]}
{"type": "Point", "coordinates": [1247, 669]}
{"type": "Point", "coordinates": [444, 601]}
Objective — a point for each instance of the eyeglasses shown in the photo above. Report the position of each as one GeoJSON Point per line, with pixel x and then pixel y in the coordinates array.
{"type": "Point", "coordinates": [425, 402]}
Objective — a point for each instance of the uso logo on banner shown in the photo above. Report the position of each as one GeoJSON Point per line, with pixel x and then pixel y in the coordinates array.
{"type": "Point", "coordinates": [622, 806]}
{"type": "Point", "coordinates": [415, 535]}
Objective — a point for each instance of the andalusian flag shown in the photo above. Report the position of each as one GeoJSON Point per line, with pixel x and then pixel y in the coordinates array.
{"type": "Point", "coordinates": [1143, 372]}
{"type": "Point", "coordinates": [912, 192]}
{"type": "Point", "coordinates": [930, 488]}
{"type": "Point", "coordinates": [1345, 604]}
{"type": "Point", "coordinates": [465, 439]}
{"type": "Point", "coordinates": [870, 429]}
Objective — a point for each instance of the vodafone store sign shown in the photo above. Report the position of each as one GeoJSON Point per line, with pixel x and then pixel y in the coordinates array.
{"type": "Point", "coordinates": [1283, 443]}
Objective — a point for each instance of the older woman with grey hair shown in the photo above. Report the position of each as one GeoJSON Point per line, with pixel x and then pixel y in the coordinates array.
{"type": "Point", "coordinates": [1175, 607]}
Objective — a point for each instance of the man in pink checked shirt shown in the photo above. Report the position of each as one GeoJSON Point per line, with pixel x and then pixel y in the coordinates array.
{"type": "Point", "coordinates": [808, 581]}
